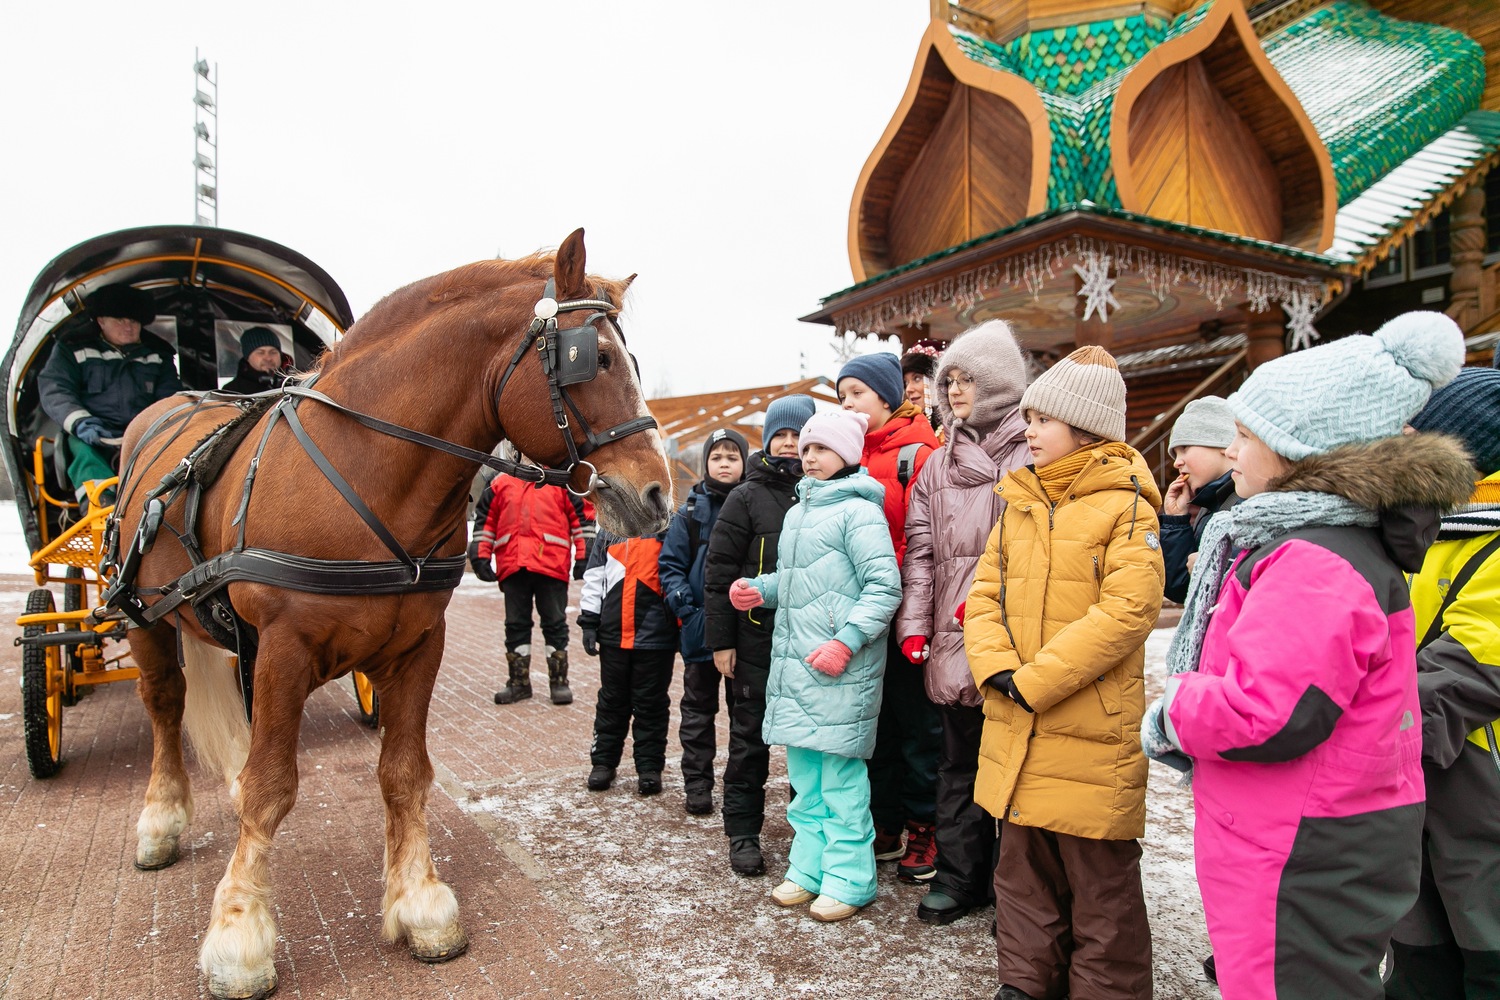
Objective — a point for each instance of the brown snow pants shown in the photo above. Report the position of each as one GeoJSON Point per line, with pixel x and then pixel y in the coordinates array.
{"type": "Point", "coordinates": [1071, 916]}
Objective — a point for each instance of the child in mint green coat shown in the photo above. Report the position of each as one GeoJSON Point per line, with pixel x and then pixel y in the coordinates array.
{"type": "Point", "coordinates": [835, 591]}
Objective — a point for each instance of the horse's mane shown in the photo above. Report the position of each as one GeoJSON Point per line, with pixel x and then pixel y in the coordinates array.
{"type": "Point", "coordinates": [481, 278]}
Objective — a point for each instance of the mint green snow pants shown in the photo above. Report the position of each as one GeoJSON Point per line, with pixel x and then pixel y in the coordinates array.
{"type": "Point", "coordinates": [833, 836]}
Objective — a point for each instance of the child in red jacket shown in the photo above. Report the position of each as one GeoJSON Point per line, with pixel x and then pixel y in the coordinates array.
{"type": "Point", "coordinates": [531, 541]}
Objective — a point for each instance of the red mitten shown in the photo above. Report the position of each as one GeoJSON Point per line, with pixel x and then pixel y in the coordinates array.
{"type": "Point", "coordinates": [958, 613]}
{"type": "Point", "coordinates": [831, 658]}
{"type": "Point", "coordinates": [915, 649]}
{"type": "Point", "coordinates": [743, 596]}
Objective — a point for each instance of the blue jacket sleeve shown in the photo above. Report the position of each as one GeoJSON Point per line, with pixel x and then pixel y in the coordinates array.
{"type": "Point", "coordinates": [674, 565]}
{"type": "Point", "coordinates": [59, 384]}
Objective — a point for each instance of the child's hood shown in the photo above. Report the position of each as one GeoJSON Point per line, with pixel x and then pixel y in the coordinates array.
{"type": "Point", "coordinates": [858, 486]}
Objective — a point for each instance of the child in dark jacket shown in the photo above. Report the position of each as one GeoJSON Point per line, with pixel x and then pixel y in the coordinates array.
{"type": "Point", "coordinates": [683, 555]}
{"type": "Point", "coordinates": [1202, 489]}
{"type": "Point", "coordinates": [744, 544]}
{"type": "Point", "coordinates": [627, 625]}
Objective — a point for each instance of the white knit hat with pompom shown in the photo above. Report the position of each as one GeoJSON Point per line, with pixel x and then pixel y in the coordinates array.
{"type": "Point", "coordinates": [1360, 388]}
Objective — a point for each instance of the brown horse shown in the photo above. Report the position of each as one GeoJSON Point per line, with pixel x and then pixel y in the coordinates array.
{"type": "Point", "coordinates": [431, 357]}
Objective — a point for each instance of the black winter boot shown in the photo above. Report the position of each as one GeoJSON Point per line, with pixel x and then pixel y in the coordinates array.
{"type": "Point", "coordinates": [519, 687]}
{"type": "Point", "coordinates": [557, 677]}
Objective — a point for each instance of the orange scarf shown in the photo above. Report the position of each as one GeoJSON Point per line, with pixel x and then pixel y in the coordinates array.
{"type": "Point", "coordinates": [1058, 476]}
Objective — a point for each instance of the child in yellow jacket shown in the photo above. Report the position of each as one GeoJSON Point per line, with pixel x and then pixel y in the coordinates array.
{"type": "Point", "coordinates": [1065, 595]}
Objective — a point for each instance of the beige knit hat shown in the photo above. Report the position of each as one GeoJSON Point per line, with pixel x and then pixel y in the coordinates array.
{"type": "Point", "coordinates": [1084, 390]}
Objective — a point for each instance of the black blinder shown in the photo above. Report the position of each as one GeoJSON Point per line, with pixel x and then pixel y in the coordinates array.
{"type": "Point", "coordinates": [577, 354]}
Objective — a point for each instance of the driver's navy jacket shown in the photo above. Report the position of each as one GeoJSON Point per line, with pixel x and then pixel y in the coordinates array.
{"type": "Point", "coordinates": [86, 376]}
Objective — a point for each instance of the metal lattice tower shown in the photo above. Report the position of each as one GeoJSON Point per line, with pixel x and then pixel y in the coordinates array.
{"type": "Point", "coordinates": [205, 141]}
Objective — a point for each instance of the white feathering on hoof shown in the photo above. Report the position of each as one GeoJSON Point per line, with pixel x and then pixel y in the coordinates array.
{"type": "Point", "coordinates": [1427, 344]}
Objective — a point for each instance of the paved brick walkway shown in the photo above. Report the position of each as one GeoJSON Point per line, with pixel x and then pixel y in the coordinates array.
{"type": "Point", "coordinates": [564, 893]}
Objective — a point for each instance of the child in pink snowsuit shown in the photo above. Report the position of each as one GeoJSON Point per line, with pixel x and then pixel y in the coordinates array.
{"type": "Point", "coordinates": [1295, 697]}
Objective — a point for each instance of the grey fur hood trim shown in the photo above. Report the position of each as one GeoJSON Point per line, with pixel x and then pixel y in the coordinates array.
{"type": "Point", "coordinates": [1411, 470]}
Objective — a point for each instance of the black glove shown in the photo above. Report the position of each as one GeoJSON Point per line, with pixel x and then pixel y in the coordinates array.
{"type": "Point", "coordinates": [483, 569]}
{"type": "Point", "coordinates": [1005, 683]}
{"type": "Point", "coordinates": [578, 567]}
{"type": "Point", "coordinates": [92, 430]}
{"type": "Point", "coordinates": [591, 642]}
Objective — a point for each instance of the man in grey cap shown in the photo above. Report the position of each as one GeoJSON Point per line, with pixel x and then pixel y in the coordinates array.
{"type": "Point", "coordinates": [1197, 445]}
{"type": "Point", "coordinates": [261, 363]}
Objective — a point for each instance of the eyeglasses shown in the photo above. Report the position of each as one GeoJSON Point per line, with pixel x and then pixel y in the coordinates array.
{"type": "Point", "coordinates": [962, 381]}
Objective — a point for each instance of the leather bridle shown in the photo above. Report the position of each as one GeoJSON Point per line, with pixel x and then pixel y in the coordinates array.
{"type": "Point", "coordinates": [568, 357]}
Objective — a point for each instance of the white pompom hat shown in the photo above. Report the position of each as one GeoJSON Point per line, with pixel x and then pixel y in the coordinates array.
{"type": "Point", "coordinates": [1360, 388]}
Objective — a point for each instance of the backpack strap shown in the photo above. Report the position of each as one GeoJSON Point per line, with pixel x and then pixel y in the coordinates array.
{"type": "Point", "coordinates": [906, 463]}
{"type": "Point", "coordinates": [1469, 569]}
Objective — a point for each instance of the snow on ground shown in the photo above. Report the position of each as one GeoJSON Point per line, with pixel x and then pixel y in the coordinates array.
{"type": "Point", "coordinates": [651, 887]}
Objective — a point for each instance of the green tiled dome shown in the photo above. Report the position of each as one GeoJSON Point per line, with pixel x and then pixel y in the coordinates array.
{"type": "Point", "coordinates": [1377, 89]}
{"type": "Point", "coordinates": [1077, 71]}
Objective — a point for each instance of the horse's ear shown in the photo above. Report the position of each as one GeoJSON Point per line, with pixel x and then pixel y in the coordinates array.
{"type": "Point", "coordinates": [568, 269]}
{"type": "Point", "coordinates": [625, 285]}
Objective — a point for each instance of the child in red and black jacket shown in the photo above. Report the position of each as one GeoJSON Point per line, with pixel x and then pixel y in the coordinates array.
{"type": "Point", "coordinates": [627, 624]}
{"type": "Point", "coordinates": [532, 540]}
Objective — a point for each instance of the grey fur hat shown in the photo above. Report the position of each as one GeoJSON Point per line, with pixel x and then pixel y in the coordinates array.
{"type": "Point", "coordinates": [990, 354]}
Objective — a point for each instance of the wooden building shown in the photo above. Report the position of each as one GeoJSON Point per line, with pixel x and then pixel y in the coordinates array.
{"type": "Point", "coordinates": [1198, 187]}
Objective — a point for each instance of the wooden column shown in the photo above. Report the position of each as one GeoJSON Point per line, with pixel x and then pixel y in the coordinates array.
{"type": "Point", "coordinates": [1266, 332]}
{"type": "Point", "coordinates": [1467, 239]}
{"type": "Point", "coordinates": [910, 335]}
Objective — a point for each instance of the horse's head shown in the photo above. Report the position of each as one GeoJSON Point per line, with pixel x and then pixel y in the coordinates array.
{"type": "Point", "coordinates": [575, 399]}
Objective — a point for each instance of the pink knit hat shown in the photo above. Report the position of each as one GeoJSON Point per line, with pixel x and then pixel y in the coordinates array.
{"type": "Point", "coordinates": [840, 431]}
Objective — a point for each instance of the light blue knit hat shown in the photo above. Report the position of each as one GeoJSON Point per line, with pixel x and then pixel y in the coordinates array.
{"type": "Point", "coordinates": [1360, 388]}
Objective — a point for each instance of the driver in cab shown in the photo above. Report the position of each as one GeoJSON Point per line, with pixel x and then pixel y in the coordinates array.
{"type": "Point", "coordinates": [98, 378]}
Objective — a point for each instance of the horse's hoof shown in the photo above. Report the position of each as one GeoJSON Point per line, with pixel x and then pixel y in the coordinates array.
{"type": "Point", "coordinates": [439, 945]}
{"type": "Point", "coordinates": [242, 984]}
{"type": "Point", "coordinates": [154, 857]}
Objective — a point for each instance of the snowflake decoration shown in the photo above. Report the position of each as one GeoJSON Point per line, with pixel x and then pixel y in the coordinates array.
{"type": "Point", "coordinates": [1300, 310]}
{"type": "Point", "coordinates": [1097, 283]}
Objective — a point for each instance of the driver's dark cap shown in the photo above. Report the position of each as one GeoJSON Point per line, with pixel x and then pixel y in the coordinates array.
{"type": "Point", "coordinates": [256, 337]}
{"type": "Point", "coordinates": [121, 302]}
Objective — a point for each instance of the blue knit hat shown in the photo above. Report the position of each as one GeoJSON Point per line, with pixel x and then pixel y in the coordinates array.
{"type": "Point", "coordinates": [1356, 389]}
{"type": "Point", "coordinates": [881, 372]}
{"type": "Point", "coordinates": [786, 413]}
{"type": "Point", "coordinates": [1469, 409]}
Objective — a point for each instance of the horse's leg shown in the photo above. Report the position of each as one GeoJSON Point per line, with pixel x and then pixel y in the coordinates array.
{"type": "Point", "coordinates": [418, 906]}
{"type": "Point", "coordinates": [169, 798]}
{"type": "Point", "coordinates": [239, 948]}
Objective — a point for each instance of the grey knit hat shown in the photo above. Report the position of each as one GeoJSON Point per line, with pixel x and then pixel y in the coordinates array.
{"type": "Point", "coordinates": [1205, 421]}
{"type": "Point", "coordinates": [1084, 390]}
{"type": "Point", "coordinates": [990, 354]}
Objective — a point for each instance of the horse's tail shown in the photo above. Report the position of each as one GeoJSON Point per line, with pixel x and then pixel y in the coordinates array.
{"type": "Point", "coordinates": [215, 712]}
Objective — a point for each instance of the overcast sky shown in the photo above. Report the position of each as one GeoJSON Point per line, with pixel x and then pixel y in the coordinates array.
{"type": "Point", "coordinates": [713, 148]}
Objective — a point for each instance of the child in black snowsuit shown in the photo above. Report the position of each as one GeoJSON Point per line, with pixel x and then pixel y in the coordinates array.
{"type": "Point", "coordinates": [627, 625]}
{"type": "Point", "coordinates": [683, 554]}
{"type": "Point", "coordinates": [743, 544]}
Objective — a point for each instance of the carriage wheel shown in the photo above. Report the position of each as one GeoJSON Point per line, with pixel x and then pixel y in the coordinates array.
{"type": "Point", "coordinates": [42, 684]}
{"type": "Point", "coordinates": [367, 700]}
{"type": "Point", "coordinates": [73, 600]}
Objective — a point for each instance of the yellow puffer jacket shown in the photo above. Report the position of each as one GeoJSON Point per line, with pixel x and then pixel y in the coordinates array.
{"type": "Point", "coordinates": [1082, 590]}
